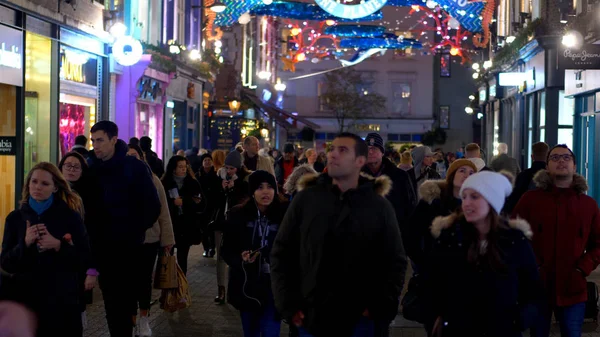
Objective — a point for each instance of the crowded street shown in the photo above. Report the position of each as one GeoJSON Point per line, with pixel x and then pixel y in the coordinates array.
{"type": "Point", "coordinates": [205, 319]}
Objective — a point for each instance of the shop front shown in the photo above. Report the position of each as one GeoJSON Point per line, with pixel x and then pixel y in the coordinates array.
{"type": "Point", "coordinates": [183, 123]}
{"type": "Point", "coordinates": [140, 99]}
{"type": "Point", "coordinates": [11, 83]}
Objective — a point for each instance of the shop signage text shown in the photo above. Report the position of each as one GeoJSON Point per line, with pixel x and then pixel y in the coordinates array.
{"type": "Point", "coordinates": [365, 8]}
{"type": "Point", "coordinates": [10, 58]}
{"type": "Point", "coordinates": [8, 146]}
{"type": "Point", "coordinates": [587, 57]}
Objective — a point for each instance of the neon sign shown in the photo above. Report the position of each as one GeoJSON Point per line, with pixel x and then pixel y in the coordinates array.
{"type": "Point", "coordinates": [365, 8]}
{"type": "Point", "coordinates": [127, 51]}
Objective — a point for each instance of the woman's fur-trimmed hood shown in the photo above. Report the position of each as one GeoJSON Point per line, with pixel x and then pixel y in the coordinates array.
{"type": "Point", "coordinates": [431, 190]}
{"type": "Point", "coordinates": [291, 185]}
{"type": "Point", "coordinates": [441, 223]}
{"type": "Point", "coordinates": [544, 181]}
{"type": "Point", "coordinates": [381, 185]}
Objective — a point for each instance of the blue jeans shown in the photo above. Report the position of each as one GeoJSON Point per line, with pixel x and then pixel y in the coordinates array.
{"type": "Point", "coordinates": [570, 320]}
{"type": "Point", "coordinates": [364, 328]}
{"type": "Point", "coordinates": [262, 323]}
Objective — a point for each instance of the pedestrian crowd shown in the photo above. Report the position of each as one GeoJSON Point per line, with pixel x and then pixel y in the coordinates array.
{"type": "Point", "coordinates": [318, 241]}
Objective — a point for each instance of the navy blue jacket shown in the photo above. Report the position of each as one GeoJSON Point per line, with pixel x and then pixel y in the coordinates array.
{"type": "Point", "coordinates": [130, 203]}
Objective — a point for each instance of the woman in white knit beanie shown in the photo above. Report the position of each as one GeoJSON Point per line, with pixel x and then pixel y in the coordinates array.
{"type": "Point", "coordinates": [483, 278]}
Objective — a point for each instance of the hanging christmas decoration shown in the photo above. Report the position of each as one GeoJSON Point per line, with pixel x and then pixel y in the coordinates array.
{"type": "Point", "coordinates": [385, 42]}
{"type": "Point", "coordinates": [362, 55]}
{"type": "Point", "coordinates": [233, 10]}
{"type": "Point", "coordinates": [480, 40]}
{"type": "Point", "coordinates": [355, 30]}
{"type": "Point", "coordinates": [308, 40]}
{"type": "Point", "coordinates": [305, 11]}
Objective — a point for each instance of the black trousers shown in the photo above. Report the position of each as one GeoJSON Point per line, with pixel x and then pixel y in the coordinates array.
{"type": "Point", "coordinates": [145, 265]}
{"type": "Point", "coordinates": [119, 289]}
{"type": "Point", "coordinates": [183, 251]}
{"type": "Point", "coordinates": [208, 239]}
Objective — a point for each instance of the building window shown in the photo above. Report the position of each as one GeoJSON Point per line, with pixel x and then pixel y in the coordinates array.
{"type": "Point", "coordinates": [401, 98]}
{"type": "Point", "coordinates": [445, 65]}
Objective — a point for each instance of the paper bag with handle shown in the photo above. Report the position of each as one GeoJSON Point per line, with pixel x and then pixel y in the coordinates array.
{"type": "Point", "coordinates": [165, 276]}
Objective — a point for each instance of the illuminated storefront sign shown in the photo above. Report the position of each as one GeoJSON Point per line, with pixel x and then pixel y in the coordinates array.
{"type": "Point", "coordinates": [127, 51]}
{"type": "Point", "coordinates": [365, 8]}
{"type": "Point", "coordinates": [11, 56]}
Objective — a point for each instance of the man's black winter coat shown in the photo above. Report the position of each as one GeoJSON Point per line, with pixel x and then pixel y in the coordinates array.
{"type": "Point", "coordinates": [337, 254]}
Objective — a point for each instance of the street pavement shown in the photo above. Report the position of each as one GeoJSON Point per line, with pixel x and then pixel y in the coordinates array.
{"type": "Point", "coordinates": [206, 319]}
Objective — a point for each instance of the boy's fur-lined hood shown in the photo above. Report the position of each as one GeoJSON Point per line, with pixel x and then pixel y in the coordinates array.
{"type": "Point", "coordinates": [544, 181]}
{"type": "Point", "coordinates": [441, 223]}
{"type": "Point", "coordinates": [381, 185]}
{"type": "Point", "coordinates": [431, 190]}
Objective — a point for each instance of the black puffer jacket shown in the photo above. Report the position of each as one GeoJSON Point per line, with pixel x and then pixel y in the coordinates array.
{"type": "Point", "coordinates": [402, 196]}
{"type": "Point", "coordinates": [186, 220]}
{"type": "Point", "coordinates": [337, 254]}
{"type": "Point", "coordinates": [433, 203]}
{"type": "Point", "coordinates": [474, 299]}
{"type": "Point", "coordinates": [211, 188]}
{"type": "Point", "coordinates": [244, 232]}
{"type": "Point", "coordinates": [48, 279]}
{"type": "Point", "coordinates": [130, 200]}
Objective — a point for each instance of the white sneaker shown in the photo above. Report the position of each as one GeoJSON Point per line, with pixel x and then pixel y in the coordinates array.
{"type": "Point", "coordinates": [144, 325]}
{"type": "Point", "coordinates": [84, 320]}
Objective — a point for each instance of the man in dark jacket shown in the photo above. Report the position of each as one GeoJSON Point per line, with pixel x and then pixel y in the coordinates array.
{"type": "Point", "coordinates": [194, 160]}
{"type": "Point", "coordinates": [156, 165]}
{"type": "Point", "coordinates": [402, 196]}
{"type": "Point", "coordinates": [338, 263]}
{"type": "Point", "coordinates": [80, 146]}
{"type": "Point", "coordinates": [286, 164]}
{"type": "Point", "coordinates": [524, 180]}
{"type": "Point", "coordinates": [130, 206]}
{"type": "Point", "coordinates": [503, 162]}
{"type": "Point", "coordinates": [566, 239]}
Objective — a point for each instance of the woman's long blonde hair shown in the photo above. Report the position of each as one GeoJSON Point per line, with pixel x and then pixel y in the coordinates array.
{"type": "Point", "coordinates": [63, 192]}
{"type": "Point", "coordinates": [218, 158]}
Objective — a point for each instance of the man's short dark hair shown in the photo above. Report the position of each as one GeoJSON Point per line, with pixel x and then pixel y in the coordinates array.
{"type": "Point", "coordinates": [360, 147]}
{"type": "Point", "coordinates": [110, 128]}
{"type": "Point", "coordinates": [561, 146]}
{"type": "Point", "coordinates": [81, 140]}
{"type": "Point", "coordinates": [146, 143]}
{"type": "Point", "coordinates": [540, 151]}
{"type": "Point", "coordinates": [134, 141]}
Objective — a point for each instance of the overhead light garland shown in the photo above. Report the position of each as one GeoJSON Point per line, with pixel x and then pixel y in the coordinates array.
{"type": "Point", "coordinates": [355, 30]}
{"type": "Point", "coordinates": [305, 11]}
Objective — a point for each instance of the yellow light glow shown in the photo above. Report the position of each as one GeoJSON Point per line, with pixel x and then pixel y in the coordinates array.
{"type": "Point", "coordinates": [296, 31]}
{"type": "Point", "coordinates": [330, 22]}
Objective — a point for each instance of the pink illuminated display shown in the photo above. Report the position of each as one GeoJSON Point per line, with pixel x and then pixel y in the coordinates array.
{"type": "Point", "coordinates": [72, 124]}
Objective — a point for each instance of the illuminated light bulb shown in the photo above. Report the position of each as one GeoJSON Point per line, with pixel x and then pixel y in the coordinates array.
{"type": "Point", "coordinates": [475, 66]}
{"type": "Point", "coordinates": [453, 23]}
{"type": "Point", "coordinates": [300, 57]}
{"type": "Point", "coordinates": [245, 19]}
{"type": "Point", "coordinates": [267, 2]}
{"type": "Point", "coordinates": [296, 31]}
{"type": "Point", "coordinates": [454, 51]}
{"type": "Point", "coordinates": [469, 110]}
{"type": "Point", "coordinates": [431, 4]}
{"type": "Point", "coordinates": [487, 64]}
{"type": "Point", "coordinates": [330, 22]}
{"type": "Point", "coordinates": [475, 76]}
{"type": "Point", "coordinates": [218, 44]}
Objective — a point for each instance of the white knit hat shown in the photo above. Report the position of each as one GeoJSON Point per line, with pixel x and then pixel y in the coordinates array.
{"type": "Point", "coordinates": [494, 187]}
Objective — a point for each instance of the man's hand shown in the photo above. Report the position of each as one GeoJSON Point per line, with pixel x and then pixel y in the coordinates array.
{"type": "Point", "coordinates": [247, 258]}
{"type": "Point", "coordinates": [178, 202]}
{"type": "Point", "coordinates": [298, 319]}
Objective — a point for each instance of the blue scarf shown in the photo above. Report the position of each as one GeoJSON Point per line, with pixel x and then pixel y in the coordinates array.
{"type": "Point", "coordinates": [41, 206]}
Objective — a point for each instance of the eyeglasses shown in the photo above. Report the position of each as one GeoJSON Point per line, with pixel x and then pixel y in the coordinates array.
{"type": "Point", "coordinates": [564, 157]}
{"type": "Point", "coordinates": [74, 168]}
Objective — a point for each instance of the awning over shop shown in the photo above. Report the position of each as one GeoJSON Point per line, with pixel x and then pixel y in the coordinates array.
{"type": "Point", "coordinates": [279, 115]}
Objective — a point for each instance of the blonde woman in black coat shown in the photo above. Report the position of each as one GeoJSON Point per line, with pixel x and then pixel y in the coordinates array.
{"type": "Point", "coordinates": [45, 248]}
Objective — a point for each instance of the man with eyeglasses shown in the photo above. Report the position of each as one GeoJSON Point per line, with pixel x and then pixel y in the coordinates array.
{"type": "Point", "coordinates": [566, 239]}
